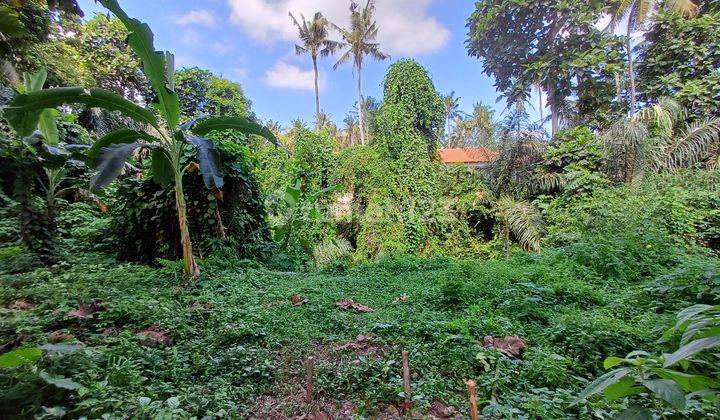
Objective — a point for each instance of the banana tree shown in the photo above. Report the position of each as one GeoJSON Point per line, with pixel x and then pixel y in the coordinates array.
{"type": "Point", "coordinates": [165, 137]}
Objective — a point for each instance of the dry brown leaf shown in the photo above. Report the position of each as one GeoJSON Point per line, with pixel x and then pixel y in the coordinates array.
{"type": "Point", "coordinates": [350, 304]}
{"type": "Point", "coordinates": [154, 335]}
{"type": "Point", "coordinates": [402, 298]}
{"type": "Point", "coordinates": [86, 310]}
{"type": "Point", "coordinates": [297, 300]}
{"type": "Point", "coordinates": [22, 304]}
{"type": "Point", "coordinates": [438, 410]}
{"type": "Point", "coordinates": [509, 346]}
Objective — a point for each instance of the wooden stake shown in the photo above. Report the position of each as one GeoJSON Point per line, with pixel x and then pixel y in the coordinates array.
{"type": "Point", "coordinates": [406, 379]}
{"type": "Point", "coordinates": [473, 399]}
{"type": "Point", "coordinates": [309, 388]}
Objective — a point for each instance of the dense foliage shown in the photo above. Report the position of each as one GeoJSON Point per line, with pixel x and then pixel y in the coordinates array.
{"type": "Point", "coordinates": [571, 275]}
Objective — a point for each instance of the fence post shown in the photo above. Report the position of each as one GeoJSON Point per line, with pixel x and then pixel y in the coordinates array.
{"type": "Point", "coordinates": [406, 379]}
{"type": "Point", "coordinates": [309, 386]}
{"type": "Point", "coordinates": [473, 399]}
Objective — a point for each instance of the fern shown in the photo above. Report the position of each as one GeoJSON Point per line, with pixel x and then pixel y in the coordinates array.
{"type": "Point", "coordinates": [330, 251]}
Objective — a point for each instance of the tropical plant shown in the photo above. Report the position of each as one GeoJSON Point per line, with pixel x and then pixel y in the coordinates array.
{"type": "Point", "coordinates": [659, 138]}
{"type": "Point", "coordinates": [168, 140]}
{"type": "Point", "coordinates": [359, 39]}
{"type": "Point", "coordinates": [636, 13]}
{"type": "Point", "coordinates": [38, 159]}
{"type": "Point", "coordinates": [452, 110]}
{"type": "Point", "coordinates": [658, 383]}
{"type": "Point", "coordinates": [521, 219]}
{"type": "Point", "coordinates": [315, 42]}
{"type": "Point", "coordinates": [669, 61]}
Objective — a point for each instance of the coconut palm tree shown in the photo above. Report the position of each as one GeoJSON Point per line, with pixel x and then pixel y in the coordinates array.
{"type": "Point", "coordinates": [636, 13]}
{"type": "Point", "coordinates": [359, 39]}
{"type": "Point", "coordinates": [452, 110]}
{"type": "Point", "coordinates": [314, 38]}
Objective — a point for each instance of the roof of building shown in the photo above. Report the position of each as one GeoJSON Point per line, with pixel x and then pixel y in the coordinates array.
{"type": "Point", "coordinates": [469, 155]}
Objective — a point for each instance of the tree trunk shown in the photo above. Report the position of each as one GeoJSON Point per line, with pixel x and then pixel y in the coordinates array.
{"type": "Point", "coordinates": [317, 94]}
{"type": "Point", "coordinates": [555, 117]}
{"type": "Point", "coordinates": [618, 88]}
{"type": "Point", "coordinates": [631, 70]}
{"type": "Point", "coordinates": [506, 239]}
{"type": "Point", "coordinates": [361, 107]}
{"type": "Point", "coordinates": [540, 106]}
{"type": "Point", "coordinates": [191, 268]}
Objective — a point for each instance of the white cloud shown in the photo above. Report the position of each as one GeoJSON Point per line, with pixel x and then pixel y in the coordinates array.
{"type": "Point", "coordinates": [198, 17]}
{"type": "Point", "coordinates": [190, 38]}
{"type": "Point", "coordinates": [405, 28]}
{"type": "Point", "coordinates": [240, 72]}
{"type": "Point", "coordinates": [223, 47]}
{"type": "Point", "coordinates": [284, 75]}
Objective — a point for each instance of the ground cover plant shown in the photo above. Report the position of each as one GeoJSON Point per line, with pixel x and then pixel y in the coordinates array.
{"type": "Point", "coordinates": [355, 271]}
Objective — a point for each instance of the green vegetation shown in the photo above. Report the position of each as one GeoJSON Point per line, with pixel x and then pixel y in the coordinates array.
{"type": "Point", "coordinates": [571, 276]}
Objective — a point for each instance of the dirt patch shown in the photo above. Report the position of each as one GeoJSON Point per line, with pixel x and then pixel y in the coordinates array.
{"type": "Point", "coordinates": [58, 336]}
{"type": "Point", "coordinates": [439, 410]}
{"type": "Point", "coordinates": [22, 304]}
{"type": "Point", "coordinates": [293, 406]}
{"type": "Point", "coordinates": [364, 345]}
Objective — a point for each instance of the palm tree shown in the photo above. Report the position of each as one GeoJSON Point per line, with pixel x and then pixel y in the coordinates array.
{"type": "Point", "coordinates": [314, 37]}
{"type": "Point", "coordinates": [636, 13]}
{"type": "Point", "coordinates": [360, 41]}
{"type": "Point", "coordinates": [350, 129]}
{"type": "Point", "coordinates": [452, 106]}
{"type": "Point", "coordinates": [521, 219]}
{"type": "Point", "coordinates": [658, 138]}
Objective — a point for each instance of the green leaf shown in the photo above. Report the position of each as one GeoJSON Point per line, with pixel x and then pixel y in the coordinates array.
{"type": "Point", "coordinates": [207, 159]}
{"type": "Point", "coordinates": [48, 126]}
{"type": "Point", "coordinates": [119, 136]}
{"type": "Point", "coordinates": [611, 362]}
{"type": "Point", "coordinates": [19, 357]}
{"type": "Point", "coordinates": [635, 412]}
{"type": "Point", "coordinates": [621, 389]}
{"type": "Point", "coordinates": [599, 384]}
{"type": "Point", "coordinates": [243, 125]}
{"type": "Point", "coordinates": [60, 381]}
{"type": "Point", "coordinates": [163, 172]}
{"type": "Point", "coordinates": [690, 312]}
{"type": "Point", "coordinates": [24, 110]}
{"type": "Point", "coordinates": [10, 23]}
{"type": "Point", "coordinates": [687, 382]}
{"type": "Point", "coordinates": [110, 163]}
{"type": "Point", "coordinates": [155, 68]}
{"type": "Point", "coordinates": [668, 390]}
{"type": "Point", "coordinates": [33, 82]}
{"type": "Point", "coordinates": [691, 349]}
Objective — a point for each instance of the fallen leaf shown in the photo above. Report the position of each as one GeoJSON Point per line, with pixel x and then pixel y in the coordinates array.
{"type": "Point", "coordinates": [154, 335]}
{"type": "Point", "coordinates": [359, 343]}
{"type": "Point", "coordinates": [297, 300]}
{"type": "Point", "coordinates": [22, 304]}
{"type": "Point", "coordinates": [86, 310]}
{"type": "Point", "coordinates": [438, 410]}
{"type": "Point", "coordinates": [509, 346]}
{"type": "Point", "coordinates": [402, 298]}
{"type": "Point", "coordinates": [59, 336]}
{"type": "Point", "coordinates": [350, 304]}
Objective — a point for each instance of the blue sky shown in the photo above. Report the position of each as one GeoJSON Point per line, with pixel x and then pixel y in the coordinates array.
{"type": "Point", "coordinates": [252, 42]}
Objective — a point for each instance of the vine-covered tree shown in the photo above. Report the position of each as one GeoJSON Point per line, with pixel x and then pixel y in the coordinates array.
{"type": "Point", "coordinates": [203, 93]}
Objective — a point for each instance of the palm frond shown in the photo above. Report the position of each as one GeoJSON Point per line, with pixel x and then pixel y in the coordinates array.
{"type": "Point", "coordinates": [686, 8]}
{"type": "Point", "coordinates": [693, 144]}
{"type": "Point", "coordinates": [523, 220]}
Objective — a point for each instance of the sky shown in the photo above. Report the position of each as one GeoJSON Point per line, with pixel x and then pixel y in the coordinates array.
{"type": "Point", "coordinates": [252, 42]}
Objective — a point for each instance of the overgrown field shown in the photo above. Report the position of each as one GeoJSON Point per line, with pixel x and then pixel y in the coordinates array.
{"type": "Point", "coordinates": [232, 344]}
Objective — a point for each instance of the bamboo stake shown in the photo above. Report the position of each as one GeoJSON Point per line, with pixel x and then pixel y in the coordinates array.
{"type": "Point", "coordinates": [473, 399]}
{"type": "Point", "coordinates": [406, 379]}
{"type": "Point", "coordinates": [309, 388]}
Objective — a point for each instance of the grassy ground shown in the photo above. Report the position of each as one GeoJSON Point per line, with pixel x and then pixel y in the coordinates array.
{"type": "Point", "coordinates": [236, 343]}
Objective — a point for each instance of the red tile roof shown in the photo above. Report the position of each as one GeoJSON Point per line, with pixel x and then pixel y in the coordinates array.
{"type": "Point", "coordinates": [470, 155]}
